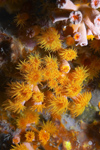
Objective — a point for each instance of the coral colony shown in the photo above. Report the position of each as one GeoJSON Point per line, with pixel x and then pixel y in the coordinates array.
{"type": "Point", "coordinates": [50, 75]}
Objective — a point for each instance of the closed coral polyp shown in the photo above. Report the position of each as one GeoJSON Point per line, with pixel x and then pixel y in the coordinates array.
{"type": "Point", "coordinates": [75, 17]}
{"type": "Point", "coordinates": [70, 41]}
{"type": "Point", "coordinates": [16, 139]}
{"type": "Point", "coordinates": [97, 21]}
{"type": "Point", "coordinates": [77, 36]}
{"type": "Point", "coordinates": [64, 66]}
{"type": "Point", "coordinates": [95, 4]}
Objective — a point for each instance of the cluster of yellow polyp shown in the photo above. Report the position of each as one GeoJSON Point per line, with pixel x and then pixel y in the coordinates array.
{"type": "Point", "coordinates": [53, 77]}
{"type": "Point", "coordinates": [47, 84]}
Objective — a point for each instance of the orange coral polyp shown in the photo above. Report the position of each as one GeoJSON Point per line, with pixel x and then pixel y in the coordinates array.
{"type": "Point", "coordinates": [50, 127]}
{"type": "Point", "coordinates": [27, 118]}
{"type": "Point", "coordinates": [30, 136]}
{"type": "Point", "coordinates": [31, 116]}
{"type": "Point", "coordinates": [50, 74]}
{"type": "Point", "coordinates": [44, 136]}
{"type": "Point", "coordinates": [16, 139]}
{"type": "Point", "coordinates": [21, 122]}
{"type": "Point", "coordinates": [90, 37]}
{"type": "Point", "coordinates": [65, 69]}
{"type": "Point", "coordinates": [64, 66]}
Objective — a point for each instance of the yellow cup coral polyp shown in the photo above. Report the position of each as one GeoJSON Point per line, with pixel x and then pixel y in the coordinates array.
{"type": "Point", "coordinates": [58, 105]}
{"type": "Point", "coordinates": [21, 19]}
{"type": "Point", "coordinates": [27, 118]}
{"type": "Point", "coordinates": [50, 127]}
{"type": "Point", "coordinates": [33, 62]}
{"type": "Point", "coordinates": [72, 88]}
{"type": "Point", "coordinates": [19, 147]}
{"type": "Point", "coordinates": [51, 62]}
{"type": "Point", "coordinates": [14, 106]}
{"type": "Point", "coordinates": [34, 77]}
{"type": "Point", "coordinates": [80, 74]}
{"type": "Point", "coordinates": [50, 40]}
{"type": "Point", "coordinates": [79, 103]}
{"type": "Point", "coordinates": [68, 54]}
{"type": "Point", "coordinates": [20, 91]}
{"type": "Point", "coordinates": [37, 100]}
